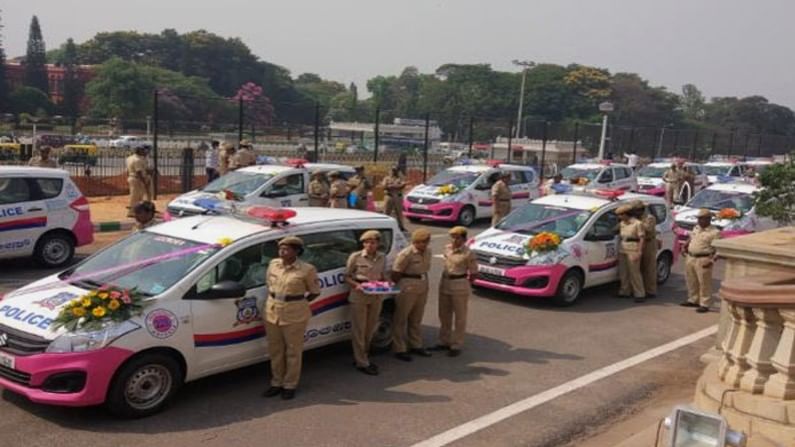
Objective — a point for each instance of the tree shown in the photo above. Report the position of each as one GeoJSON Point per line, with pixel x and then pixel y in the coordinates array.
{"type": "Point", "coordinates": [692, 102]}
{"type": "Point", "coordinates": [72, 87]}
{"type": "Point", "coordinates": [4, 94]}
{"type": "Point", "coordinates": [36, 59]}
{"type": "Point", "coordinates": [638, 104]}
{"type": "Point", "coordinates": [258, 107]}
{"type": "Point", "coordinates": [753, 113]}
{"type": "Point", "coordinates": [30, 100]}
{"type": "Point", "coordinates": [776, 198]}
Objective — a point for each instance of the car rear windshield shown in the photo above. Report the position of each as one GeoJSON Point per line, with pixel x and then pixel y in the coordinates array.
{"type": "Point", "coordinates": [652, 171]}
{"type": "Point", "coordinates": [238, 182]}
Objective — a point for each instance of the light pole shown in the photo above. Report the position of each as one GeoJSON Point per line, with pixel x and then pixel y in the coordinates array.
{"type": "Point", "coordinates": [660, 142]}
{"type": "Point", "coordinates": [526, 65]}
{"type": "Point", "coordinates": [605, 108]}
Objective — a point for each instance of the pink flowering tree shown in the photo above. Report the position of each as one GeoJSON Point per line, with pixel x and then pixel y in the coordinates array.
{"type": "Point", "coordinates": [257, 107]}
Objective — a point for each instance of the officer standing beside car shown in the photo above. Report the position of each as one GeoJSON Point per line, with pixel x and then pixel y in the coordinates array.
{"type": "Point", "coordinates": [460, 269]}
{"type": "Point", "coordinates": [500, 198]}
{"type": "Point", "coordinates": [648, 258]}
{"type": "Point", "coordinates": [338, 191]}
{"type": "Point", "coordinates": [700, 259]}
{"type": "Point", "coordinates": [630, 247]}
{"type": "Point", "coordinates": [138, 179]}
{"type": "Point", "coordinates": [318, 191]}
{"type": "Point", "coordinates": [410, 273]}
{"type": "Point", "coordinates": [292, 284]}
{"type": "Point", "coordinates": [364, 266]}
{"type": "Point", "coordinates": [393, 196]}
{"type": "Point", "coordinates": [359, 185]}
{"type": "Point", "coordinates": [224, 158]}
{"type": "Point", "coordinates": [43, 160]}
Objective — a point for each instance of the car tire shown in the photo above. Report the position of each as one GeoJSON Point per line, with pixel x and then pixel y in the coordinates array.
{"type": "Point", "coordinates": [664, 261]}
{"type": "Point", "coordinates": [569, 289]}
{"type": "Point", "coordinates": [382, 339]}
{"type": "Point", "coordinates": [467, 216]}
{"type": "Point", "coordinates": [414, 219]}
{"type": "Point", "coordinates": [144, 386]}
{"type": "Point", "coordinates": [54, 250]}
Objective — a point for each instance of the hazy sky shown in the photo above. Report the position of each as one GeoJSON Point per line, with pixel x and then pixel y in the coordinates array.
{"type": "Point", "coordinates": [725, 47]}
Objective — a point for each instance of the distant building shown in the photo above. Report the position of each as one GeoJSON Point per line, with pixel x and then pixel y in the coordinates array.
{"type": "Point", "coordinates": [523, 150]}
{"type": "Point", "coordinates": [401, 133]}
{"type": "Point", "coordinates": [15, 73]}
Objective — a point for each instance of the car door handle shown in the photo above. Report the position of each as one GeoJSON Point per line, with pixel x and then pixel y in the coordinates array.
{"type": "Point", "coordinates": [35, 209]}
{"type": "Point", "coordinates": [303, 200]}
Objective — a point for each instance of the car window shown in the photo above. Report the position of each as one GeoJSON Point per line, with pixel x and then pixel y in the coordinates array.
{"type": "Point", "coordinates": [607, 176]}
{"type": "Point", "coordinates": [659, 211]}
{"type": "Point", "coordinates": [620, 173]}
{"type": "Point", "coordinates": [735, 172]}
{"type": "Point", "coordinates": [517, 178]}
{"type": "Point", "coordinates": [289, 185]}
{"type": "Point", "coordinates": [605, 225]}
{"type": "Point", "coordinates": [627, 172]}
{"type": "Point", "coordinates": [14, 190]}
{"type": "Point", "coordinates": [386, 239]}
{"type": "Point", "coordinates": [247, 267]}
{"type": "Point", "coordinates": [329, 250]}
{"type": "Point", "coordinates": [49, 187]}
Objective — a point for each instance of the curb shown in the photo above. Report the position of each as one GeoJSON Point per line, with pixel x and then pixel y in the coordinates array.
{"type": "Point", "coordinates": [104, 227]}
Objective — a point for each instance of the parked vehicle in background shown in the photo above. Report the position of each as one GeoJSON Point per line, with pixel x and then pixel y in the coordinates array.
{"type": "Point", "coordinates": [650, 179]}
{"type": "Point", "coordinates": [54, 140]}
{"type": "Point", "coordinates": [602, 174]}
{"type": "Point", "coordinates": [719, 170]}
{"type": "Point", "coordinates": [78, 154]}
{"type": "Point", "coordinates": [737, 196]}
{"type": "Point", "coordinates": [128, 142]}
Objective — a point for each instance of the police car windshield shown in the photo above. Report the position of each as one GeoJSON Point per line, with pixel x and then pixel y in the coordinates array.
{"type": "Point", "coordinates": [238, 182]}
{"type": "Point", "coordinates": [571, 172]}
{"type": "Point", "coordinates": [716, 170]}
{"type": "Point", "coordinates": [457, 178]}
{"type": "Point", "coordinates": [534, 218]}
{"type": "Point", "coordinates": [652, 171]}
{"type": "Point", "coordinates": [717, 200]}
{"type": "Point", "coordinates": [147, 261]}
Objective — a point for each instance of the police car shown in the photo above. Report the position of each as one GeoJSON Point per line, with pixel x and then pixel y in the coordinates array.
{"type": "Point", "coordinates": [737, 196]}
{"type": "Point", "coordinates": [204, 282]}
{"type": "Point", "coordinates": [600, 175]}
{"type": "Point", "coordinates": [724, 170]}
{"type": "Point", "coordinates": [462, 194]}
{"type": "Point", "coordinates": [588, 253]}
{"type": "Point", "coordinates": [42, 214]}
{"type": "Point", "coordinates": [267, 185]}
{"type": "Point", "coordinates": [650, 178]}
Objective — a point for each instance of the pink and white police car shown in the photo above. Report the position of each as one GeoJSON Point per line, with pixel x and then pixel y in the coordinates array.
{"type": "Point", "coordinates": [462, 194]}
{"type": "Point", "coordinates": [588, 253]}
{"type": "Point", "coordinates": [738, 196]}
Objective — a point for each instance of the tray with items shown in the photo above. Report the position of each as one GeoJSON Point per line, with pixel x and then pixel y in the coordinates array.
{"type": "Point", "coordinates": [379, 288]}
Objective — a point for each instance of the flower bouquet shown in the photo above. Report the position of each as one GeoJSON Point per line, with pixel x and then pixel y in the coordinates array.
{"type": "Point", "coordinates": [228, 195]}
{"type": "Point", "coordinates": [579, 181]}
{"type": "Point", "coordinates": [97, 307]}
{"type": "Point", "coordinates": [447, 190]}
{"type": "Point", "coordinates": [379, 288]}
{"type": "Point", "coordinates": [729, 214]}
{"type": "Point", "coordinates": [543, 242]}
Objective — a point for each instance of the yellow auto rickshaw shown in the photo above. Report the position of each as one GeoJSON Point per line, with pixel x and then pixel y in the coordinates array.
{"type": "Point", "coordinates": [79, 154]}
{"type": "Point", "coordinates": [10, 151]}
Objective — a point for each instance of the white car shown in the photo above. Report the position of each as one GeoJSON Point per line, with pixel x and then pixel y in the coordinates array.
{"type": "Point", "coordinates": [738, 196]}
{"type": "Point", "coordinates": [587, 256]}
{"type": "Point", "coordinates": [129, 142]}
{"type": "Point", "coordinates": [462, 194]}
{"type": "Point", "coordinates": [718, 171]}
{"type": "Point", "coordinates": [601, 175]}
{"type": "Point", "coordinates": [203, 279]}
{"type": "Point", "coordinates": [42, 214]}
{"type": "Point", "coordinates": [266, 185]}
{"type": "Point", "coordinates": [650, 179]}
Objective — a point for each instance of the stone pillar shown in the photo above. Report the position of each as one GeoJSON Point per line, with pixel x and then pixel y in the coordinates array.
{"type": "Point", "coordinates": [727, 341]}
{"type": "Point", "coordinates": [738, 350]}
{"type": "Point", "coordinates": [782, 384]}
{"type": "Point", "coordinates": [763, 345]}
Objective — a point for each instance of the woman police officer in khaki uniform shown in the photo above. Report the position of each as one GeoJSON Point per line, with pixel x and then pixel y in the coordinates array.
{"type": "Point", "coordinates": [410, 272]}
{"type": "Point", "coordinates": [292, 284]}
{"type": "Point", "coordinates": [629, 253]}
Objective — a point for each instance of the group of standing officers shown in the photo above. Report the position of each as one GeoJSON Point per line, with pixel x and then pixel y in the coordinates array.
{"type": "Point", "coordinates": [293, 284]}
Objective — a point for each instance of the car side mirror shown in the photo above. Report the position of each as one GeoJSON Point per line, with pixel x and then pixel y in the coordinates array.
{"type": "Point", "coordinates": [591, 237]}
{"type": "Point", "coordinates": [482, 187]}
{"type": "Point", "coordinates": [223, 289]}
{"type": "Point", "coordinates": [604, 179]}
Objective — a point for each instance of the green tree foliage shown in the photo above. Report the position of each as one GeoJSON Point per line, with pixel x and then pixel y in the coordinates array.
{"type": "Point", "coordinates": [693, 103]}
{"type": "Point", "coordinates": [777, 197]}
{"type": "Point", "coordinates": [639, 104]}
{"type": "Point", "coordinates": [4, 93]}
{"type": "Point", "coordinates": [36, 58]}
{"type": "Point", "coordinates": [72, 87]}
{"type": "Point", "coordinates": [30, 100]}
{"type": "Point", "coordinates": [753, 113]}
{"type": "Point", "coordinates": [322, 91]}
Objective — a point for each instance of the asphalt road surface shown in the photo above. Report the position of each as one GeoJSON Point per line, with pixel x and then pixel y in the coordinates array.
{"type": "Point", "coordinates": [516, 348]}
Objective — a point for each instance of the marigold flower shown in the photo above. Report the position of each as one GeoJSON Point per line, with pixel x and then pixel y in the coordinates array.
{"type": "Point", "coordinates": [99, 312]}
{"type": "Point", "coordinates": [78, 312]}
{"type": "Point", "coordinates": [86, 302]}
{"type": "Point", "coordinates": [114, 304]}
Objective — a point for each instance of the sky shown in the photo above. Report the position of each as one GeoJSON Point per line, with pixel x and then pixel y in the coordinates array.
{"type": "Point", "coordinates": [725, 47]}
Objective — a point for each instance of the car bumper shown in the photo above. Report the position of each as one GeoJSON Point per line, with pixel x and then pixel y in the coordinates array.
{"type": "Point", "coordinates": [83, 230]}
{"type": "Point", "coordinates": [440, 212]}
{"type": "Point", "coordinates": [658, 191]}
{"type": "Point", "coordinates": [97, 366]}
{"type": "Point", "coordinates": [528, 280]}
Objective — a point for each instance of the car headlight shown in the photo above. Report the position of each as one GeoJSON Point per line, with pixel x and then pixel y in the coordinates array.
{"type": "Point", "coordinates": [452, 198]}
{"type": "Point", "coordinates": [82, 341]}
{"type": "Point", "coordinates": [550, 258]}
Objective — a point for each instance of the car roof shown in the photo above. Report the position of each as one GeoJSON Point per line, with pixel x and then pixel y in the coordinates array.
{"type": "Point", "coordinates": [585, 201]}
{"type": "Point", "coordinates": [329, 167]}
{"type": "Point", "coordinates": [210, 229]}
{"type": "Point", "coordinates": [721, 163]}
{"type": "Point", "coordinates": [485, 167]}
{"type": "Point", "coordinates": [595, 165]}
{"type": "Point", "coordinates": [267, 169]}
{"type": "Point", "coordinates": [662, 164]}
{"type": "Point", "coordinates": [32, 171]}
{"type": "Point", "coordinates": [737, 187]}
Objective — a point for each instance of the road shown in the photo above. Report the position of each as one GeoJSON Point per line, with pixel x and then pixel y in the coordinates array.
{"type": "Point", "coordinates": [516, 348]}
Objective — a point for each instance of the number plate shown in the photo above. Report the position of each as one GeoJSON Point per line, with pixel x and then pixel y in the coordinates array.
{"type": "Point", "coordinates": [419, 207]}
{"type": "Point", "coordinates": [6, 360]}
{"type": "Point", "coordinates": [491, 270]}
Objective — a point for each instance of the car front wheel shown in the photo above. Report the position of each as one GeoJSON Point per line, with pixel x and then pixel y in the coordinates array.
{"type": "Point", "coordinates": [569, 289]}
{"type": "Point", "coordinates": [144, 385]}
{"type": "Point", "coordinates": [467, 216]}
{"type": "Point", "coordinates": [54, 250]}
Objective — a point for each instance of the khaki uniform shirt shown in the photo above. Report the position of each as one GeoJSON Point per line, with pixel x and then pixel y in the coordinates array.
{"type": "Point", "coordinates": [38, 162]}
{"type": "Point", "coordinates": [318, 193]}
{"type": "Point", "coordinates": [137, 163]}
{"type": "Point", "coordinates": [339, 194]}
{"type": "Point", "coordinates": [360, 185]}
{"type": "Point", "coordinates": [649, 223]}
{"type": "Point", "coordinates": [393, 185]}
{"type": "Point", "coordinates": [457, 261]}
{"type": "Point", "coordinates": [500, 193]}
{"type": "Point", "coordinates": [223, 161]}
{"type": "Point", "coordinates": [410, 261]}
{"type": "Point", "coordinates": [299, 278]}
{"type": "Point", "coordinates": [242, 158]}
{"type": "Point", "coordinates": [701, 240]}
{"type": "Point", "coordinates": [363, 268]}
{"type": "Point", "coordinates": [675, 178]}
{"type": "Point", "coordinates": [631, 232]}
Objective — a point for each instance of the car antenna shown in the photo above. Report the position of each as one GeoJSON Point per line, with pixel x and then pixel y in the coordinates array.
{"type": "Point", "coordinates": [199, 223]}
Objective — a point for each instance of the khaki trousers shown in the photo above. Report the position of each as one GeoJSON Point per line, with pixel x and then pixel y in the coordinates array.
{"type": "Point", "coordinates": [453, 308]}
{"type": "Point", "coordinates": [139, 191]}
{"type": "Point", "coordinates": [629, 274]}
{"type": "Point", "coordinates": [318, 202]}
{"type": "Point", "coordinates": [365, 314]}
{"type": "Point", "coordinates": [648, 266]}
{"type": "Point", "coordinates": [393, 205]}
{"type": "Point", "coordinates": [285, 348]}
{"type": "Point", "coordinates": [338, 203]}
{"type": "Point", "coordinates": [500, 210]}
{"type": "Point", "coordinates": [409, 308]}
{"type": "Point", "coordinates": [699, 280]}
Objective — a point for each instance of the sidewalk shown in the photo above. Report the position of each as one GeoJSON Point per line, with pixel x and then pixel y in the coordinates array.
{"type": "Point", "coordinates": [110, 213]}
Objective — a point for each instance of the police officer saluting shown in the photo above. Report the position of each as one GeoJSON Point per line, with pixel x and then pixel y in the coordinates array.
{"type": "Point", "coordinates": [393, 201]}
{"type": "Point", "coordinates": [648, 258]}
{"type": "Point", "coordinates": [410, 272]}
{"type": "Point", "coordinates": [364, 266]}
{"type": "Point", "coordinates": [460, 268]}
{"type": "Point", "coordinates": [629, 253]}
{"type": "Point", "coordinates": [500, 198]}
{"type": "Point", "coordinates": [338, 192]}
{"type": "Point", "coordinates": [292, 284]}
{"type": "Point", "coordinates": [700, 259]}
{"type": "Point", "coordinates": [318, 191]}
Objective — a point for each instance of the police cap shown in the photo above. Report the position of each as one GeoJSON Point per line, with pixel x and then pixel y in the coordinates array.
{"type": "Point", "coordinates": [703, 212]}
{"type": "Point", "coordinates": [623, 209]}
{"type": "Point", "coordinates": [370, 235]}
{"type": "Point", "coordinates": [458, 231]}
{"type": "Point", "coordinates": [420, 234]}
{"type": "Point", "coordinates": [292, 241]}
{"type": "Point", "coordinates": [637, 204]}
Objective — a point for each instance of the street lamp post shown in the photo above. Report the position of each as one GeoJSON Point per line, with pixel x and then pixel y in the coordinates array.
{"type": "Point", "coordinates": [526, 65]}
{"type": "Point", "coordinates": [605, 108]}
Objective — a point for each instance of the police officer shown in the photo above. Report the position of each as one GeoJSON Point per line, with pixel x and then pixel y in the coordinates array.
{"type": "Point", "coordinates": [318, 190]}
{"type": "Point", "coordinates": [460, 268]}
{"type": "Point", "coordinates": [138, 179]}
{"type": "Point", "coordinates": [700, 259]}
{"type": "Point", "coordinates": [673, 178]}
{"type": "Point", "coordinates": [292, 284]}
{"type": "Point", "coordinates": [648, 258]}
{"type": "Point", "coordinates": [144, 216]}
{"type": "Point", "coordinates": [43, 160]}
{"type": "Point", "coordinates": [554, 186]}
{"type": "Point", "coordinates": [243, 157]}
{"type": "Point", "coordinates": [500, 198]}
{"type": "Point", "coordinates": [629, 253]}
{"type": "Point", "coordinates": [359, 185]}
{"type": "Point", "coordinates": [224, 158]}
{"type": "Point", "coordinates": [363, 266]}
{"type": "Point", "coordinates": [393, 200]}
{"type": "Point", "coordinates": [338, 191]}
{"type": "Point", "coordinates": [410, 272]}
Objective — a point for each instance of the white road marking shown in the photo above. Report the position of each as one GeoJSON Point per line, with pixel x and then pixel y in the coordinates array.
{"type": "Point", "coordinates": [475, 425]}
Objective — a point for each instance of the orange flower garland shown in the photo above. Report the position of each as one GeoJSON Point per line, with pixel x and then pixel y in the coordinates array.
{"type": "Point", "coordinates": [543, 242]}
{"type": "Point", "coordinates": [729, 213]}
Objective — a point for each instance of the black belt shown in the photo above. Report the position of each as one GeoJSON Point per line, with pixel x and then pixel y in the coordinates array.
{"type": "Point", "coordinates": [503, 200]}
{"type": "Point", "coordinates": [289, 298]}
{"type": "Point", "coordinates": [395, 194]}
{"type": "Point", "coordinates": [412, 276]}
{"type": "Point", "coordinates": [456, 276]}
{"type": "Point", "coordinates": [632, 239]}
{"type": "Point", "coordinates": [361, 281]}
{"type": "Point", "coordinates": [340, 197]}
{"type": "Point", "coordinates": [701, 255]}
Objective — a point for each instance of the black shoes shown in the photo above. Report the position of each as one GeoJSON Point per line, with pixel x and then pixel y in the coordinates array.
{"type": "Point", "coordinates": [440, 347]}
{"type": "Point", "coordinates": [453, 352]}
{"type": "Point", "coordinates": [288, 394]}
{"type": "Point", "coordinates": [403, 356]}
{"type": "Point", "coordinates": [422, 352]}
{"type": "Point", "coordinates": [272, 391]}
{"type": "Point", "coordinates": [370, 370]}
{"type": "Point", "coordinates": [688, 304]}
{"type": "Point", "coordinates": [702, 310]}
{"type": "Point", "coordinates": [640, 300]}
